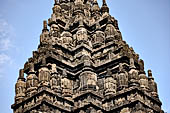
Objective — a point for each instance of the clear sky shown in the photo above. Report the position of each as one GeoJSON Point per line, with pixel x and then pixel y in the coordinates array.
{"type": "Point", "coordinates": [145, 25]}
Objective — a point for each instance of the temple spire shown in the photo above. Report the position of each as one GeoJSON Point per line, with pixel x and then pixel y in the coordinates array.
{"type": "Point", "coordinates": [104, 7]}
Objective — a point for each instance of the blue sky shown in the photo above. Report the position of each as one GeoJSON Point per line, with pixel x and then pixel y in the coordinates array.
{"type": "Point", "coordinates": [145, 25]}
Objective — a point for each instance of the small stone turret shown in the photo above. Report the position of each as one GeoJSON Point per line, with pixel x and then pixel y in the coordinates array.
{"type": "Point", "coordinates": [79, 7]}
{"type": "Point", "coordinates": [88, 80]}
{"type": "Point", "coordinates": [122, 78]}
{"type": "Point", "coordinates": [110, 32]}
{"type": "Point", "coordinates": [55, 80]}
{"type": "Point", "coordinates": [98, 38]}
{"type": "Point", "coordinates": [133, 74]}
{"type": "Point", "coordinates": [20, 87]}
{"type": "Point", "coordinates": [32, 81]}
{"type": "Point", "coordinates": [45, 26]}
{"type": "Point", "coordinates": [43, 74]}
{"type": "Point", "coordinates": [44, 37]}
{"type": "Point", "coordinates": [95, 10]}
{"type": "Point", "coordinates": [95, 7]}
{"type": "Point", "coordinates": [104, 8]}
{"type": "Point", "coordinates": [143, 80]}
{"type": "Point", "coordinates": [110, 84]}
{"type": "Point", "coordinates": [66, 85]}
{"type": "Point", "coordinates": [152, 84]}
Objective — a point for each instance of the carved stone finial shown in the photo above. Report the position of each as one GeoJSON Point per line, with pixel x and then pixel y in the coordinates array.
{"type": "Point", "coordinates": [21, 74]}
{"type": "Point", "coordinates": [152, 84]}
{"type": "Point", "coordinates": [149, 73]}
{"type": "Point", "coordinates": [95, 7]}
{"type": "Point", "coordinates": [141, 64]}
{"type": "Point", "coordinates": [20, 87]}
{"type": "Point", "coordinates": [104, 7]}
{"type": "Point", "coordinates": [45, 26]}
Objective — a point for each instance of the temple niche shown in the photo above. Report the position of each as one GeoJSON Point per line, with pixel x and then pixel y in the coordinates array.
{"type": "Point", "coordinates": [32, 81]}
{"type": "Point", "coordinates": [111, 33]}
{"type": "Point", "coordinates": [122, 78]}
{"type": "Point", "coordinates": [44, 74]}
{"type": "Point", "coordinates": [66, 85]}
{"type": "Point", "coordinates": [133, 74]}
{"type": "Point", "coordinates": [54, 33]}
{"type": "Point", "coordinates": [83, 65]}
{"type": "Point", "coordinates": [66, 38]}
{"type": "Point", "coordinates": [81, 36]}
{"type": "Point", "coordinates": [88, 80]}
{"type": "Point", "coordinates": [98, 39]}
{"type": "Point", "coordinates": [110, 83]}
{"type": "Point", "coordinates": [55, 80]}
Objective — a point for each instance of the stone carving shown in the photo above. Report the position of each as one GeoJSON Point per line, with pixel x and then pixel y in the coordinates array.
{"type": "Point", "coordinates": [55, 80]}
{"type": "Point", "coordinates": [132, 63]}
{"type": "Point", "coordinates": [93, 110]}
{"type": "Point", "coordinates": [98, 39]}
{"type": "Point", "coordinates": [133, 74]}
{"type": "Point", "coordinates": [99, 111]}
{"type": "Point", "coordinates": [95, 10]}
{"type": "Point", "coordinates": [88, 80]}
{"type": "Point", "coordinates": [141, 64]}
{"type": "Point", "coordinates": [55, 31]}
{"type": "Point", "coordinates": [66, 85]}
{"type": "Point", "coordinates": [91, 79]}
{"type": "Point", "coordinates": [20, 87]}
{"type": "Point", "coordinates": [122, 78]}
{"type": "Point", "coordinates": [110, 84]}
{"type": "Point", "coordinates": [77, 2]}
{"type": "Point", "coordinates": [66, 38]}
{"type": "Point", "coordinates": [152, 84]}
{"type": "Point", "coordinates": [83, 65]}
{"type": "Point", "coordinates": [81, 36]}
{"type": "Point", "coordinates": [110, 32]}
{"type": "Point", "coordinates": [44, 74]}
{"type": "Point", "coordinates": [125, 110]}
{"type": "Point", "coordinates": [56, 12]}
{"type": "Point", "coordinates": [143, 81]}
{"type": "Point", "coordinates": [44, 37]}
{"type": "Point", "coordinates": [32, 81]}
{"type": "Point", "coordinates": [81, 111]}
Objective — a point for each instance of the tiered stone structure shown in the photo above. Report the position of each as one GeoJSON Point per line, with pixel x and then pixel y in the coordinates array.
{"type": "Point", "coordinates": [83, 65]}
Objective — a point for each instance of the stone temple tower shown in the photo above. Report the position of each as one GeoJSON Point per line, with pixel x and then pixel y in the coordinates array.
{"type": "Point", "coordinates": [82, 65]}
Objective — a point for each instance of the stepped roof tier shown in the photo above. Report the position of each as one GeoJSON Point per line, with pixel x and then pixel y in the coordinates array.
{"type": "Point", "coordinates": [83, 65]}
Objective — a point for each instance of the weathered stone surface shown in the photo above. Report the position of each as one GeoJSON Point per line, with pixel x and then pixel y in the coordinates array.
{"type": "Point", "coordinates": [83, 65]}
